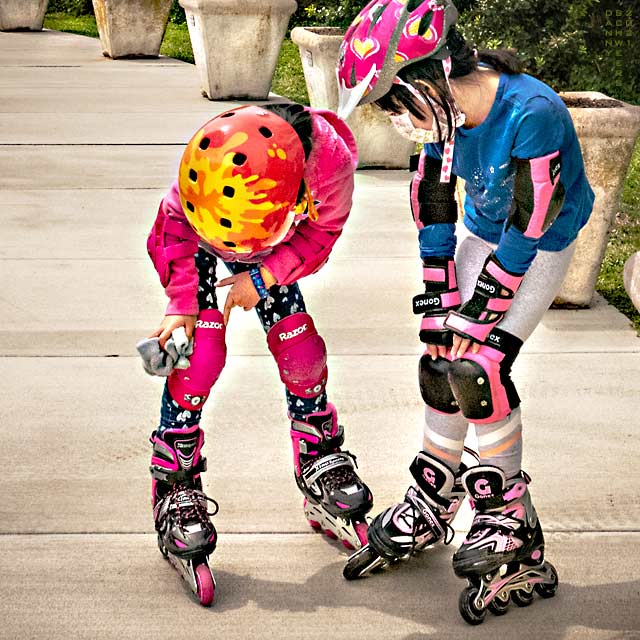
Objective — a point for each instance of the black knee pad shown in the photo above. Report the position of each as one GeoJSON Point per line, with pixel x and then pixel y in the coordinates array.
{"type": "Point", "coordinates": [481, 382]}
{"type": "Point", "coordinates": [434, 384]}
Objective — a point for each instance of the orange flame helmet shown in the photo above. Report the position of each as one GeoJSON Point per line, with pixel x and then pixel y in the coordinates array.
{"type": "Point", "coordinates": [239, 179]}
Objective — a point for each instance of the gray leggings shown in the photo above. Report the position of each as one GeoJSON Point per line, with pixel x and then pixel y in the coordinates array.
{"type": "Point", "coordinates": [536, 293]}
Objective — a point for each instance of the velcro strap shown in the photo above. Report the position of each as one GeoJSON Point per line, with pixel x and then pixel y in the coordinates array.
{"type": "Point", "coordinates": [327, 463]}
{"type": "Point", "coordinates": [174, 477]}
{"type": "Point", "coordinates": [433, 323]}
{"type": "Point", "coordinates": [499, 304]}
{"type": "Point", "coordinates": [434, 274]}
{"type": "Point", "coordinates": [428, 513]}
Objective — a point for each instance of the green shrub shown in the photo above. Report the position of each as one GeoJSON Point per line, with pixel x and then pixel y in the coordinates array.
{"type": "Point", "coordinates": [176, 13]}
{"type": "Point", "coordinates": [72, 7]}
{"type": "Point", "coordinates": [570, 46]}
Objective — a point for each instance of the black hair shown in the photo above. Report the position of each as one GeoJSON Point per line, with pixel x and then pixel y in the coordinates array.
{"type": "Point", "coordinates": [300, 119]}
{"type": "Point", "coordinates": [429, 74]}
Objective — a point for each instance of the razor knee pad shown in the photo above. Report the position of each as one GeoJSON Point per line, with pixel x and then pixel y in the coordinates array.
{"type": "Point", "coordinates": [434, 385]}
{"type": "Point", "coordinates": [300, 354]}
{"type": "Point", "coordinates": [190, 387]}
{"type": "Point", "coordinates": [481, 382]}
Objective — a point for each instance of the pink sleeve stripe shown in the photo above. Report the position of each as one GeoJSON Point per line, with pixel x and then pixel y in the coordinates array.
{"type": "Point", "coordinates": [434, 274]}
{"type": "Point", "coordinates": [542, 192]}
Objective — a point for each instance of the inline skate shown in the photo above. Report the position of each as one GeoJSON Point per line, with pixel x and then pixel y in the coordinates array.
{"type": "Point", "coordinates": [336, 500]}
{"type": "Point", "coordinates": [502, 556]}
{"type": "Point", "coordinates": [186, 535]}
{"type": "Point", "coordinates": [421, 520]}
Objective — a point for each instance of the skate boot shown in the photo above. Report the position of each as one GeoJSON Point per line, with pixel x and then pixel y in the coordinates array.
{"type": "Point", "coordinates": [421, 520]}
{"type": "Point", "coordinates": [502, 556]}
{"type": "Point", "coordinates": [336, 500]}
{"type": "Point", "coordinates": [186, 535]}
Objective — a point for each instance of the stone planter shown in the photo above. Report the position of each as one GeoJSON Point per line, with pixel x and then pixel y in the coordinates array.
{"type": "Point", "coordinates": [22, 15]}
{"type": "Point", "coordinates": [236, 44]}
{"type": "Point", "coordinates": [631, 278]}
{"type": "Point", "coordinates": [131, 29]}
{"type": "Point", "coordinates": [379, 144]}
{"type": "Point", "coordinates": [607, 130]}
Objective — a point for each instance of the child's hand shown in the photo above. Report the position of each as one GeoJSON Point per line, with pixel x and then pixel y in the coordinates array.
{"type": "Point", "coordinates": [460, 346]}
{"type": "Point", "coordinates": [169, 323]}
{"type": "Point", "coordinates": [242, 293]}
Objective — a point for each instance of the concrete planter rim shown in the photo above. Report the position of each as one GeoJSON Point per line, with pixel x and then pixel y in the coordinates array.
{"type": "Point", "coordinates": [238, 7]}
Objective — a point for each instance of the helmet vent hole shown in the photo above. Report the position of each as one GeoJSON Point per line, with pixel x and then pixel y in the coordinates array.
{"type": "Point", "coordinates": [425, 23]}
{"type": "Point", "coordinates": [204, 143]}
{"type": "Point", "coordinates": [190, 206]}
{"type": "Point", "coordinates": [228, 115]}
{"type": "Point", "coordinates": [228, 191]}
{"type": "Point", "coordinates": [225, 222]}
{"type": "Point", "coordinates": [193, 175]}
{"type": "Point", "coordinates": [266, 132]}
{"type": "Point", "coordinates": [239, 158]}
{"type": "Point", "coordinates": [412, 5]}
{"type": "Point", "coordinates": [229, 244]}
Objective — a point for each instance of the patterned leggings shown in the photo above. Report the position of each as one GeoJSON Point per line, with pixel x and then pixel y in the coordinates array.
{"type": "Point", "coordinates": [282, 301]}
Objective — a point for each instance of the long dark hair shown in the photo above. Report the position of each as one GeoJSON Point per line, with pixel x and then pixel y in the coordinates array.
{"type": "Point", "coordinates": [429, 74]}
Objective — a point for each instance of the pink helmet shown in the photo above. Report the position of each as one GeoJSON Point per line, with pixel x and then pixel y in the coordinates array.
{"type": "Point", "coordinates": [386, 36]}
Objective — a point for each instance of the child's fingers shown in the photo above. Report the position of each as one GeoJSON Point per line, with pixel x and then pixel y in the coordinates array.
{"type": "Point", "coordinates": [225, 282]}
{"type": "Point", "coordinates": [228, 305]}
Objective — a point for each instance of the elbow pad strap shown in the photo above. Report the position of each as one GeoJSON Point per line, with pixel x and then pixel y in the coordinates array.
{"type": "Point", "coordinates": [432, 201]}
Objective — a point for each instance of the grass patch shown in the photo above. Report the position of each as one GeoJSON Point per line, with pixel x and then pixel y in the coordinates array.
{"type": "Point", "coordinates": [176, 43]}
{"type": "Point", "coordinates": [288, 79]}
{"type": "Point", "coordinates": [82, 25]}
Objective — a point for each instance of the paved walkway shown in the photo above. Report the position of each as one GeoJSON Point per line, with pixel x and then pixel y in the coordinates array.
{"type": "Point", "coordinates": [87, 147]}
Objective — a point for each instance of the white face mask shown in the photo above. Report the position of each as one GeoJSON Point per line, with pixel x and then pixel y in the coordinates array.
{"type": "Point", "coordinates": [405, 127]}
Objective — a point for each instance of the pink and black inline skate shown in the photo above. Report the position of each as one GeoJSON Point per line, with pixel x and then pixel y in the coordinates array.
{"type": "Point", "coordinates": [502, 556]}
{"type": "Point", "coordinates": [186, 535]}
{"type": "Point", "coordinates": [336, 499]}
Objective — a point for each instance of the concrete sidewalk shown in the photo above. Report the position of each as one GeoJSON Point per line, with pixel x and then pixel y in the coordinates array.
{"type": "Point", "coordinates": [87, 148]}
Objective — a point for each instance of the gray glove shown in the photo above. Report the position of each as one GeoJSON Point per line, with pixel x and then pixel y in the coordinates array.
{"type": "Point", "coordinates": [175, 355]}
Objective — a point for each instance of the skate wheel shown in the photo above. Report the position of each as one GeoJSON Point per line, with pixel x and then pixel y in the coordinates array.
{"type": "Point", "coordinates": [204, 582]}
{"type": "Point", "coordinates": [347, 545]}
{"type": "Point", "coordinates": [163, 549]}
{"type": "Point", "coordinates": [361, 529]}
{"type": "Point", "coordinates": [522, 597]}
{"type": "Point", "coordinates": [360, 563]}
{"type": "Point", "coordinates": [330, 534]}
{"type": "Point", "coordinates": [548, 589]}
{"type": "Point", "coordinates": [314, 524]}
{"type": "Point", "coordinates": [468, 610]}
{"type": "Point", "coordinates": [499, 606]}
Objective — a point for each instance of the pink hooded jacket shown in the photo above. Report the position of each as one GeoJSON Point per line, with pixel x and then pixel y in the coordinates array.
{"type": "Point", "coordinates": [329, 173]}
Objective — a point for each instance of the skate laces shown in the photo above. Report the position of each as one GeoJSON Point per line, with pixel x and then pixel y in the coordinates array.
{"type": "Point", "coordinates": [192, 509]}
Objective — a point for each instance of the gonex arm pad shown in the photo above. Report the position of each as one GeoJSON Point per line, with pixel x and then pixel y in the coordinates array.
{"type": "Point", "coordinates": [538, 194]}
{"type": "Point", "coordinates": [432, 201]}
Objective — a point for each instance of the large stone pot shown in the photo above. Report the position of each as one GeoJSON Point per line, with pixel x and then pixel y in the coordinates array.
{"type": "Point", "coordinates": [607, 130]}
{"type": "Point", "coordinates": [131, 29]}
{"type": "Point", "coordinates": [379, 144]}
{"type": "Point", "coordinates": [236, 44]}
{"type": "Point", "coordinates": [22, 15]}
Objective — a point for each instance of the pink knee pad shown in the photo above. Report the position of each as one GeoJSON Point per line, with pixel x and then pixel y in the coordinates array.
{"type": "Point", "coordinates": [190, 387]}
{"type": "Point", "coordinates": [300, 353]}
{"type": "Point", "coordinates": [482, 385]}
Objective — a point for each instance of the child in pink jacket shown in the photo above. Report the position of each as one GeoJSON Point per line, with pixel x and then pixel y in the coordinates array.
{"type": "Point", "coordinates": [266, 190]}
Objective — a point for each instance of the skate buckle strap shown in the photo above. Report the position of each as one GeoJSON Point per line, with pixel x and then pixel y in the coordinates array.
{"type": "Point", "coordinates": [327, 463]}
{"type": "Point", "coordinates": [326, 445]}
{"type": "Point", "coordinates": [175, 477]}
{"type": "Point", "coordinates": [431, 517]}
